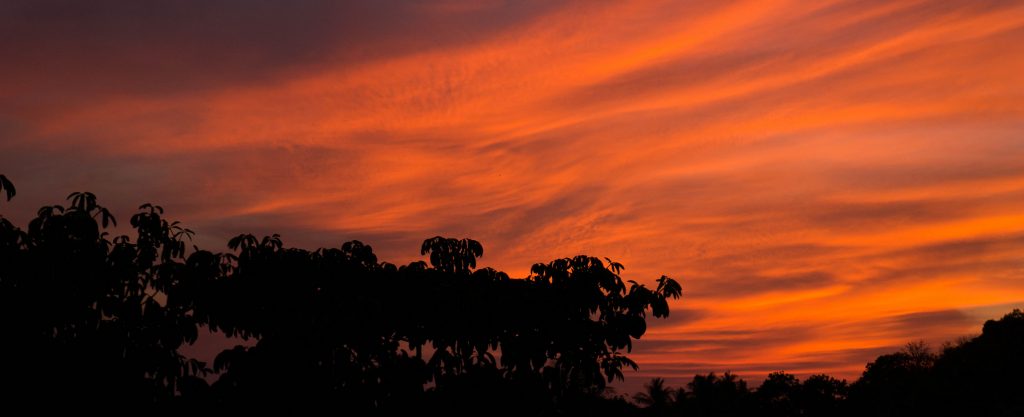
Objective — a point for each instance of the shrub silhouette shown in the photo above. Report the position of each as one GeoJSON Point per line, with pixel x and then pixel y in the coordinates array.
{"type": "Point", "coordinates": [100, 321]}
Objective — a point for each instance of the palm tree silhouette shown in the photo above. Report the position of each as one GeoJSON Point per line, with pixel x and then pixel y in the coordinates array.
{"type": "Point", "coordinates": [656, 395]}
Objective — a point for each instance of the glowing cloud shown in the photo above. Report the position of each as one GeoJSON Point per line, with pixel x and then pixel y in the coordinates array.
{"type": "Point", "coordinates": [827, 181]}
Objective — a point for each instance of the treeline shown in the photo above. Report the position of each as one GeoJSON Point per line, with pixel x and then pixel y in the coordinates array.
{"type": "Point", "coordinates": [981, 376]}
{"type": "Point", "coordinates": [96, 322]}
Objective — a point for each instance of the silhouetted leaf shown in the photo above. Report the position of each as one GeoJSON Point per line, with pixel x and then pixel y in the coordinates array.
{"type": "Point", "coordinates": [8, 187]}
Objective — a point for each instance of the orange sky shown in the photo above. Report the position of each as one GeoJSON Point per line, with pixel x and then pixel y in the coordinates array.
{"type": "Point", "coordinates": [828, 180]}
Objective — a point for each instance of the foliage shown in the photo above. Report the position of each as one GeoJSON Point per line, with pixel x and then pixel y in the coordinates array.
{"type": "Point", "coordinates": [97, 321]}
{"type": "Point", "coordinates": [102, 320]}
{"type": "Point", "coordinates": [656, 395]}
{"type": "Point", "coordinates": [7, 187]}
{"type": "Point", "coordinates": [94, 319]}
{"type": "Point", "coordinates": [978, 376]}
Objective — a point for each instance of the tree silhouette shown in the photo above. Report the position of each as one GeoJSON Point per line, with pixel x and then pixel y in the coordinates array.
{"type": "Point", "coordinates": [895, 384]}
{"type": "Point", "coordinates": [98, 322]}
{"type": "Point", "coordinates": [93, 320]}
{"type": "Point", "coordinates": [779, 395]}
{"type": "Point", "coordinates": [823, 395]}
{"type": "Point", "coordinates": [101, 321]}
{"type": "Point", "coordinates": [978, 376]}
{"type": "Point", "coordinates": [713, 395]}
{"type": "Point", "coordinates": [982, 375]}
{"type": "Point", "coordinates": [452, 255]}
{"type": "Point", "coordinates": [656, 396]}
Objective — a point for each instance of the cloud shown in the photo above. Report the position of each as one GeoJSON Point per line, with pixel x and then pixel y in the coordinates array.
{"type": "Point", "coordinates": [923, 321]}
{"type": "Point", "coordinates": [746, 284]}
{"type": "Point", "coordinates": [679, 316]}
{"type": "Point", "coordinates": [826, 180]}
{"type": "Point", "coordinates": [164, 47]}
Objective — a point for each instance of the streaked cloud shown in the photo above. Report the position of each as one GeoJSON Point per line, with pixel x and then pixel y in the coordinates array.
{"type": "Point", "coordinates": [829, 181]}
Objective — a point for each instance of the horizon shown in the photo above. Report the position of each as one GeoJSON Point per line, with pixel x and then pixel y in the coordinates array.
{"type": "Point", "coordinates": [827, 182]}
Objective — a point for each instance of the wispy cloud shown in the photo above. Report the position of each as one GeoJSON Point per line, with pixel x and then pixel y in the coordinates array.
{"type": "Point", "coordinates": [827, 180]}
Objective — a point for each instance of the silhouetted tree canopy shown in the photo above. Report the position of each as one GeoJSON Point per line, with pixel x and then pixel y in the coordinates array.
{"type": "Point", "coordinates": [713, 395]}
{"type": "Point", "coordinates": [100, 320]}
{"type": "Point", "coordinates": [657, 397]}
{"type": "Point", "coordinates": [779, 395]}
{"type": "Point", "coordinates": [822, 395]}
{"type": "Point", "coordinates": [981, 376]}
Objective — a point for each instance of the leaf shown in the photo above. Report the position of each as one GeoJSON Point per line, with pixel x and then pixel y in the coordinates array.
{"type": "Point", "coordinates": [668, 287]}
{"type": "Point", "coordinates": [637, 327]}
{"type": "Point", "coordinates": [476, 248]}
{"type": "Point", "coordinates": [7, 186]}
{"type": "Point", "coordinates": [106, 217]}
{"type": "Point", "coordinates": [614, 266]}
{"type": "Point", "coordinates": [236, 241]}
{"type": "Point", "coordinates": [660, 307]}
{"type": "Point", "coordinates": [428, 244]}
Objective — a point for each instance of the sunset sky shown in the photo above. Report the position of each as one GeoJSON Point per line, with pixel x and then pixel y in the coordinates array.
{"type": "Point", "coordinates": [827, 180]}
